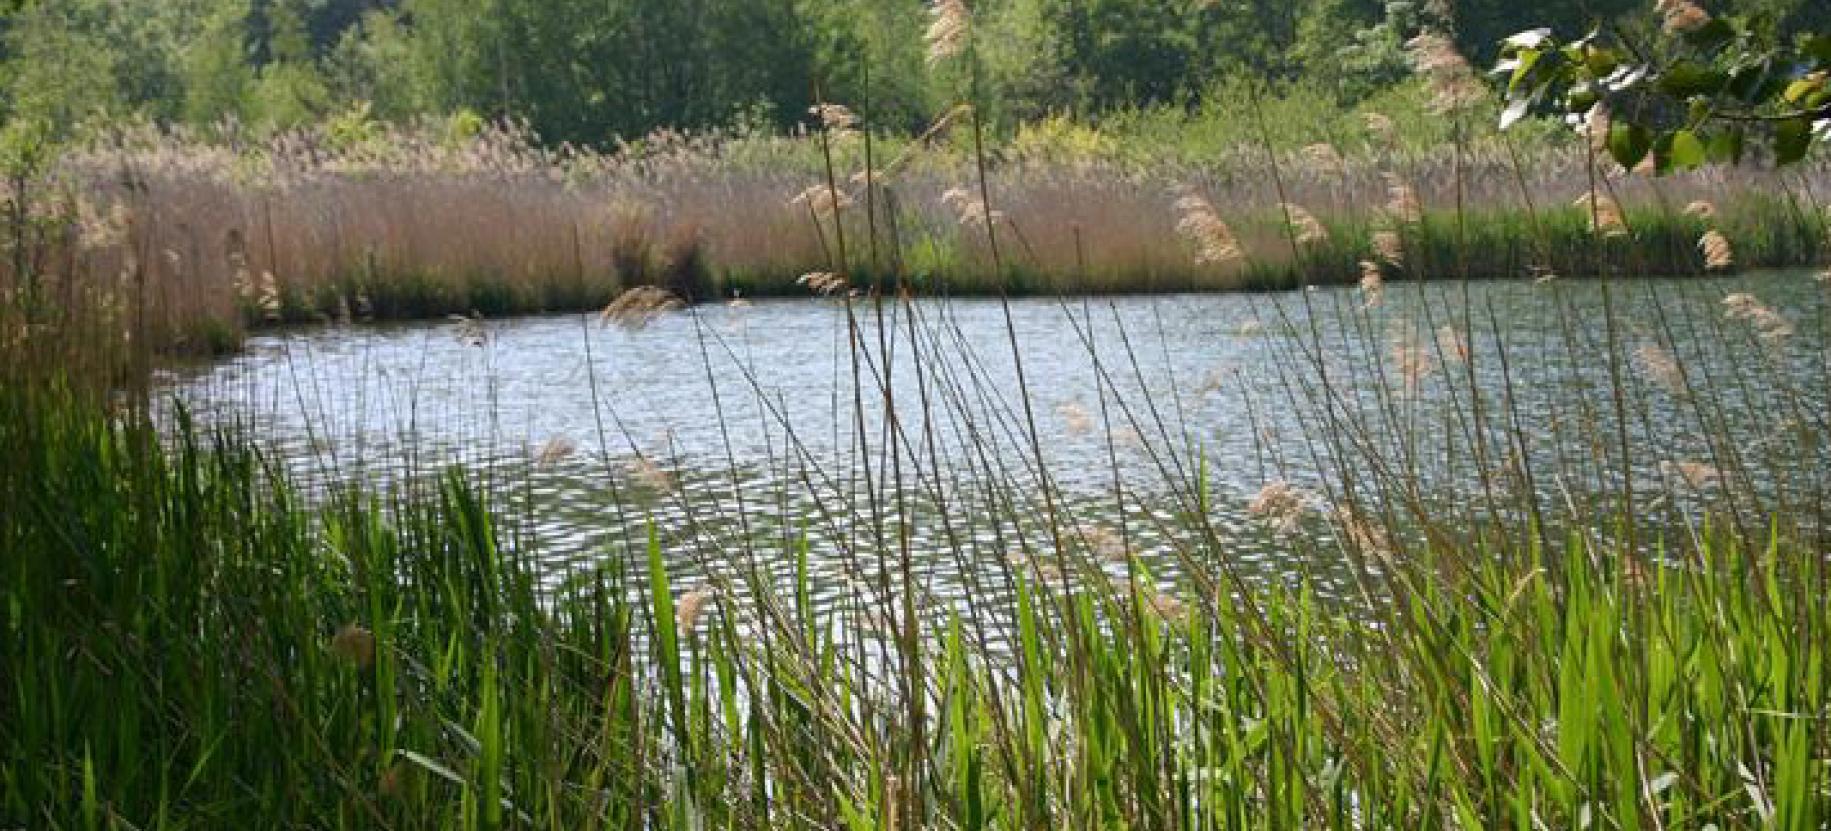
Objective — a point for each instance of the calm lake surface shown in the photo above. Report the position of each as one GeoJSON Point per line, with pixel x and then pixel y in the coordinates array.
{"type": "Point", "coordinates": [738, 422]}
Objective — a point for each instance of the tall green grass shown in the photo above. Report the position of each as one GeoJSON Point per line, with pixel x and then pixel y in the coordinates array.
{"type": "Point", "coordinates": [188, 644]}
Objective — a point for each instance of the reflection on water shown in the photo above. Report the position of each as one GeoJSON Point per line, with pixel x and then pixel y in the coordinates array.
{"type": "Point", "coordinates": [735, 430]}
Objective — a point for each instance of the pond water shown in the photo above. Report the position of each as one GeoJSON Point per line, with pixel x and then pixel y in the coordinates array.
{"type": "Point", "coordinates": [733, 423]}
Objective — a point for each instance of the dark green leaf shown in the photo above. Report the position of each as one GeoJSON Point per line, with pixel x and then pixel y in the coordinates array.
{"type": "Point", "coordinates": [1818, 49]}
{"type": "Point", "coordinates": [1688, 78]}
{"type": "Point", "coordinates": [1628, 143]}
{"type": "Point", "coordinates": [1711, 35]}
{"type": "Point", "coordinates": [1726, 146]}
{"type": "Point", "coordinates": [1686, 150]}
{"type": "Point", "coordinates": [1792, 138]}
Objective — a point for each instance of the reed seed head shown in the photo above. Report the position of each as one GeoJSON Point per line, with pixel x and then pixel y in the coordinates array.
{"type": "Point", "coordinates": [1198, 222]}
{"type": "Point", "coordinates": [834, 118]}
{"type": "Point", "coordinates": [950, 25]}
{"type": "Point", "coordinates": [1682, 16]}
{"type": "Point", "coordinates": [638, 306]}
{"type": "Point", "coordinates": [1372, 285]}
{"type": "Point", "coordinates": [1702, 209]}
{"type": "Point", "coordinates": [1389, 247]}
{"type": "Point", "coordinates": [824, 283]}
{"type": "Point", "coordinates": [1282, 505]}
{"type": "Point", "coordinates": [821, 200]}
{"type": "Point", "coordinates": [1366, 536]}
{"type": "Point", "coordinates": [1306, 228]}
{"type": "Point", "coordinates": [1401, 200]}
{"type": "Point", "coordinates": [555, 450]}
{"type": "Point", "coordinates": [1451, 79]}
{"type": "Point", "coordinates": [1694, 475]}
{"type": "Point", "coordinates": [1718, 255]}
{"type": "Point", "coordinates": [1604, 214]}
{"type": "Point", "coordinates": [690, 608]}
{"type": "Point", "coordinates": [968, 208]}
{"type": "Point", "coordinates": [651, 475]}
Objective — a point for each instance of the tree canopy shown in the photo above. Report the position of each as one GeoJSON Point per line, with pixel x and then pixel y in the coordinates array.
{"type": "Point", "coordinates": [594, 71]}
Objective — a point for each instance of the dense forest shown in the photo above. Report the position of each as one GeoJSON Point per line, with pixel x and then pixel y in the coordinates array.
{"type": "Point", "coordinates": [593, 71]}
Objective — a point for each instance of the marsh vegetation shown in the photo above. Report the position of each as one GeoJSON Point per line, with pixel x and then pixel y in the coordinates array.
{"type": "Point", "coordinates": [1500, 501]}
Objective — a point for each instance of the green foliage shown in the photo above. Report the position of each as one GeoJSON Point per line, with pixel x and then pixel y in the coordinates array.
{"type": "Point", "coordinates": [593, 71]}
{"type": "Point", "coordinates": [1714, 85]}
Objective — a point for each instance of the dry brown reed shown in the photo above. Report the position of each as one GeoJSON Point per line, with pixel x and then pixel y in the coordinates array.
{"type": "Point", "coordinates": [948, 30]}
{"type": "Point", "coordinates": [226, 231]}
{"type": "Point", "coordinates": [1718, 255]}
{"type": "Point", "coordinates": [636, 307]}
{"type": "Point", "coordinates": [1282, 505]}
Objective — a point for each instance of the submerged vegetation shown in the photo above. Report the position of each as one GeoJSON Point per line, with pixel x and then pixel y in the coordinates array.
{"type": "Point", "coordinates": [1587, 563]}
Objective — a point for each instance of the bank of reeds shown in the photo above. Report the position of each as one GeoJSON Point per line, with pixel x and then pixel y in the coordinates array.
{"type": "Point", "coordinates": [218, 235]}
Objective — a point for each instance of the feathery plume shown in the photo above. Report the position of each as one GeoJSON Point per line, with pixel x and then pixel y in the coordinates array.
{"type": "Point", "coordinates": [1717, 254]}
{"type": "Point", "coordinates": [1324, 155]}
{"type": "Point", "coordinates": [1696, 475]}
{"type": "Point", "coordinates": [98, 229]}
{"type": "Point", "coordinates": [948, 30]}
{"type": "Point", "coordinates": [1702, 209]}
{"type": "Point", "coordinates": [1411, 357]}
{"type": "Point", "coordinates": [689, 608]}
{"type": "Point", "coordinates": [821, 199]}
{"type": "Point", "coordinates": [1282, 505]}
{"type": "Point", "coordinates": [1452, 81]}
{"type": "Point", "coordinates": [824, 282]}
{"type": "Point", "coordinates": [1401, 200]}
{"type": "Point", "coordinates": [1682, 16]}
{"type": "Point", "coordinates": [1364, 535]}
{"type": "Point", "coordinates": [1199, 223]}
{"type": "Point", "coordinates": [1604, 214]}
{"type": "Point", "coordinates": [556, 449]}
{"type": "Point", "coordinates": [636, 307]}
{"type": "Point", "coordinates": [1307, 228]}
{"type": "Point", "coordinates": [268, 299]}
{"type": "Point", "coordinates": [1389, 247]}
{"type": "Point", "coordinates": [651, 475]}
{"type": "Point", "coordinates": [1104, 543]}
{"type": "Point", "coordinates": [1372, 285]}
{"type": "Point", "coordinates": [1168, 607]}
{"type": "Point", "coordinates": [834, 118]}
{"type": "Point", "coordinates": [470, 330]}
{"type": "Point", "coordinates": [968, 207]}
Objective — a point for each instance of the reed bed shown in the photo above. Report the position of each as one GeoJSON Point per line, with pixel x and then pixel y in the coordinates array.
{"type": "Point", "coordinates": [223, 233]}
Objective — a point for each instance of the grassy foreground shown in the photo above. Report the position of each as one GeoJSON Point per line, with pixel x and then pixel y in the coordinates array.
{"type": "Point", "coordinates": [187, 645]}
